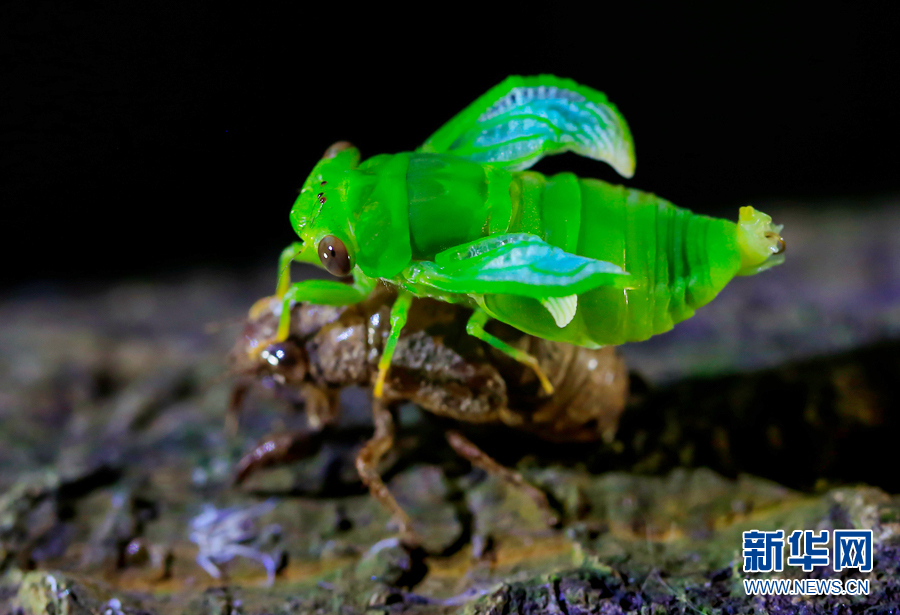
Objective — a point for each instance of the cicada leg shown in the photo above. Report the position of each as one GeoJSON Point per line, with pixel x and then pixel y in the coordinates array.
{"type": "Point", "coordinates": [236, 405]}
{"type": "Point", "coordinates": [475, 328]}
{"type": "Point", "coordinates": [322, 407]}
{"type": "Point", "coordinates": [284, 279]}
{"type": "Point", "coordinates": [399, 314]}
{"type": "Point", "coordinates": [321, 292]}
{"type": "Point", "coordinates": [466, 449]}
{"type": "Point", "coordinates": [277, 450]}
{"type": "Point", "coordinates": [367, 466]}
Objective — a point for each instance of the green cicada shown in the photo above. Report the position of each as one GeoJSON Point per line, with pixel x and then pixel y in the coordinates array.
{"type": "Point", "coordinates": [560, 257]}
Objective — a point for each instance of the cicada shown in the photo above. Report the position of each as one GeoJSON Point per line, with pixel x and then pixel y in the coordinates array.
{"type": "Point", "coordinates": [462, 220]}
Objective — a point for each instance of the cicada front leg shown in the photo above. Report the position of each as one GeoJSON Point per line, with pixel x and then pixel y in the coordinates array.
{"type": "Point", "coordinates": [319, 292]}
{"type": "Point", "coordinates": [278, 449]}
{"type": "Point", "coordinates": [284, 280]}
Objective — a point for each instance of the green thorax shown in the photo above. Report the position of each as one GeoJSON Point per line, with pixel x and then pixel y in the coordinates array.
{"type": "Point", "coordinates": [410, 206]}
{"type": "Point", "coordinates": [453, 201]}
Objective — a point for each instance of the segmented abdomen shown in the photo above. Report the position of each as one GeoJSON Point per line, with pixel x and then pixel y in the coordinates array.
{"type": "Point", "coordinates": [677, 260]}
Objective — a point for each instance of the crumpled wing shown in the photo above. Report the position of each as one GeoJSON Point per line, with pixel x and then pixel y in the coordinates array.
{"type": "Point", "coordinates": [514, 264]}
{"type": "Point", "coordinates": [523, 119]}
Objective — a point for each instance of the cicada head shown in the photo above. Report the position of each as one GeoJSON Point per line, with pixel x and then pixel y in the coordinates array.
{"type": "Point", "coordinates": [319, 214]}
{"type": "Point", "coordinates": [759, 241]}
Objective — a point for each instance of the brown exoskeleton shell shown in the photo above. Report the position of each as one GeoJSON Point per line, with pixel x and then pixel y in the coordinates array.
{"type": "Point", "coordinates": [440, 368]}
{"type": "Point", "coordinates": [437, 366]}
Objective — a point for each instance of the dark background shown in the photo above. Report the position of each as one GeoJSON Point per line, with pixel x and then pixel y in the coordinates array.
{"type": "Point", "coordinates": [142, 141]}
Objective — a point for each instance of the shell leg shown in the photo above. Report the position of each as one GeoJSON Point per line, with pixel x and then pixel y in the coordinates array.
{"type": "Point", "coordinates": [475, 328]}
{"type": "Point", "coordinates": [278, 450]}
{"type": "Point", "coordinates": [367, 466]}
{"type": "Point", "coordinates": [236, 405]}
{"type": "Point", "coordinates": [466, 449]}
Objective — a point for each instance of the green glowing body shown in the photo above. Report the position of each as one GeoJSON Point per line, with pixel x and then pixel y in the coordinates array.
{"type": "Point", "coordinates": [564, 258]}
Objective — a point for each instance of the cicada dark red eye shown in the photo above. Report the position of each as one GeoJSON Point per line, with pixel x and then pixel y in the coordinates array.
{"type": "Point", "coordinates": [334, 256]}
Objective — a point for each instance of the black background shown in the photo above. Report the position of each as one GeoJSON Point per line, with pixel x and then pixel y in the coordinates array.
{"type": "Point", "coordinates": [144, 140]}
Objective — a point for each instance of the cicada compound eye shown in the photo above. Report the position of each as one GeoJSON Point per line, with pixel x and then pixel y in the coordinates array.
{"type": "Point", "coordinates": [334, 256]}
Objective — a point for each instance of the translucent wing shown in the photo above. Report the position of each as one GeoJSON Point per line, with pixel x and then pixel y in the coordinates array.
{"type": "Point", "coordinates": [523, 119]}
{"type": "Point", "coordinates": [515, 264]}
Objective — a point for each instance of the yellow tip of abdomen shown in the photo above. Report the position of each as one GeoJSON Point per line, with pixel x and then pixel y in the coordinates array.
{"type": "Point", "coordinates": [758, 238]}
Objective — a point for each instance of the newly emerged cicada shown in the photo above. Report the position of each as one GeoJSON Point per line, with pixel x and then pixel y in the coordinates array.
{"type": "Point", "coordinates": [562, 258]}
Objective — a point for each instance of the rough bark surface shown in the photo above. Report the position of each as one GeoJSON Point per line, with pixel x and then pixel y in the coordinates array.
{"type": "Point", "coordinates": [764, 411]}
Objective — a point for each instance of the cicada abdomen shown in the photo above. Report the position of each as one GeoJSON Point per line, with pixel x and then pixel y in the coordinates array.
{"type": "Point", "coordinates": [677, 261]}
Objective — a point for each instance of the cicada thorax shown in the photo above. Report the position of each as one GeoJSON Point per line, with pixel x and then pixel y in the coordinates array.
{"type": "Point", "coordinates": [677, 261]}
{"type": "Point", "coordinates": [447, 203]}
{"type": "Point", "coordinates": [410, 206]}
